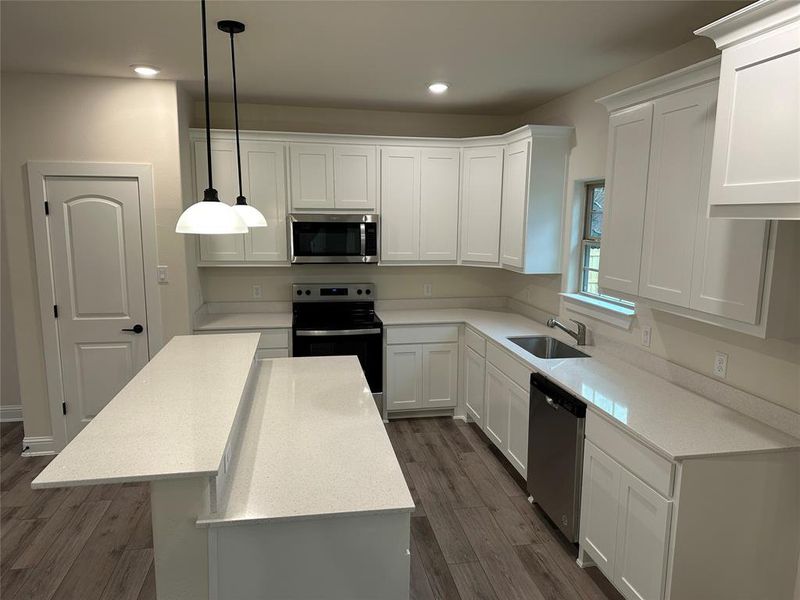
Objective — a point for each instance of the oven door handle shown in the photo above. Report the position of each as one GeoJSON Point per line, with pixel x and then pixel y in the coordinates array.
{"type": "Point", "coordinates": [335, 332]}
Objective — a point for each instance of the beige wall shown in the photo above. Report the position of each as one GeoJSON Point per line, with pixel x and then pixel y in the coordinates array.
{"type": "Point", "coordinates": [767, 368]}
{"type": "Point", "coordinates": [9, 381]}
{"type": "Point", "coordinates": [66, 118]}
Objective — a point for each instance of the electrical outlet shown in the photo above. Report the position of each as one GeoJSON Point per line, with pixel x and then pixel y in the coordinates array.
{"type": "Point", "coordinates": [257, 292]}
{"type": "Point", "coordinates": [162, 274]}
{"type": "Point", "coordinates": [720, 364]}
{"type": "Point", "coordinates": [646, 331]}
{"type": "Point", "coordinates": [427, 290]}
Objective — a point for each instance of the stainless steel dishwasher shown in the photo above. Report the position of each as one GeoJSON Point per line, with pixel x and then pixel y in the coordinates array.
{"type": "Point", "coordinates": [555, 453]}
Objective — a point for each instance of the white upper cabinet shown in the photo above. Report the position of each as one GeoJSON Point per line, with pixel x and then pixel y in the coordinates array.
{"type": "Point", "coordinates": [627, 160]}
{"type": "Point", "coordinates": [264, 183]}
{"type": "Point", "coordinates": [755, 171]}
{"type": "Point", "coordinates": [399, 204]}
{"type": "Point", "coordinates": [223, 155]}
{"type": "Point", "coordinates": [354, 178]}
{"type": "Point", "coordinates": [312, 176]}
{"type": "Point", "coordinates": [534, 180]}
{"type": "Point", "coordinates": [439, 188]}
{"type": "Point", "coordinates": [680, 155]}
{"type": "Point", "coordinates": [481, 200]}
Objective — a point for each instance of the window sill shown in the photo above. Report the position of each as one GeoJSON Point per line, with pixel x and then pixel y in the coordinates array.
{"type": "Point", "coordinates": [608, 312]}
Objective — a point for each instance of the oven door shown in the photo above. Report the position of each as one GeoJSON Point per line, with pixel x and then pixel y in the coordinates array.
{"type": "Point", "coordinates": [333, 238]}
{"type": "Point", "coordinates": [366, 344]}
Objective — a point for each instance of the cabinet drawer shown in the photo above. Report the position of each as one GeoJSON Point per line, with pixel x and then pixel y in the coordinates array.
{"type": "Point", "coordinates": [422, 335]}
{"type": "Point", "coordinates": [514, 370]}
{"type": "Point", "coordinates": [475, 341]}
{"type": "Point", "coordinates": [278, 338]}
{"type": "Point", "coordinates": [651, 468]}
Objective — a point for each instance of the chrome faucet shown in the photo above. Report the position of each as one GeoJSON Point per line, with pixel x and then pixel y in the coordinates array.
{"type": "Point", "coordinates": [579, 335]}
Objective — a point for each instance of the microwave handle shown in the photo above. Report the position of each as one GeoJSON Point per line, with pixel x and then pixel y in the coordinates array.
{"type": "Point", "coordinates": [363, 228]}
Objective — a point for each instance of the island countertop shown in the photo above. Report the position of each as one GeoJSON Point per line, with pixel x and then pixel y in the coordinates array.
{"type": "Point", "coordinates": [313, 445]}
{"type": "Point", "coordinates": [172, 420]}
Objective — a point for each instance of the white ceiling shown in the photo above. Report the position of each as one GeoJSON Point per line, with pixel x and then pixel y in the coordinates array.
{"type": "Point", "coordinates": [500, 57]}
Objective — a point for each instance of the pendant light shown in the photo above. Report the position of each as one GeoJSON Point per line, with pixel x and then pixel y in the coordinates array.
{"type": "Point", "coordinates": [209, 216]}
{"type": "Point", "coordinates": [249, 214]}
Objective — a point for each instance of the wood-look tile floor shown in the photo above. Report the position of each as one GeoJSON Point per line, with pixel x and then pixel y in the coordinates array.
{"type": "Point", "coordinates": [473, 533]}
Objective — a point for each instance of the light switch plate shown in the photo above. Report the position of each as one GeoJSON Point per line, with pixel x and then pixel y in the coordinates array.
{"type": "Point", "coordinates": [720, 365]}
{"type": "Point", "coordinates": [646, 331]}
{"type": "Point", "coordinates": [162, 274]}
{"type": "Point", "coordinates": [257, 292]}
{"type": "Point", "coordinates": [427, 289]}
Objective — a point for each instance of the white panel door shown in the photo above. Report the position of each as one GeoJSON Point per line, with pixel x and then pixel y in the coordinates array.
{"type": "Point", "coordinates": [496, 398]}
{"type": "Point", "coordinates": [729, 264]}
{"type": "Point", "coordinates": [311, 167]}
{"type": "Point", "coordinates": [223, 155]}
{"type": "Point", "coordinates": [399, 204]}
{"type": "Point", "coordinates": [626, 189]}
{"type": "Point", "coordinates": [757, 138]}
{"type": "Point", "coordinates": [96, 249]}
{"type": "Point", "coordinates": [517, 447]}
{"type": "Point", "coordinates": [642, 540]}
{"type": "Point", "coordinates": [474, 382]}
{"type": "Point", "coordinates": [680, 159]}
{"type": "Point", "coordinates": [264, 182]}
{"type": "Point", "coordinates": [481, 199]}
{"type": "Point", "coordinates": [439, 188]}
{"type": "Point", "coordinates": [515, 203]}
{"type": "Point", "coordinates": [600, 507]}
{"type": "Point", "coordinates": [403, 376]}
{"type": "Point", "coordinates": [354, 178]}
{"type": "Point", "coordinates": [439, 375]}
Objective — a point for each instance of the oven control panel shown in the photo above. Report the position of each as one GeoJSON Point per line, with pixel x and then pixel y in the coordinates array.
{"type": "Point", "coordinates": [328, 292]}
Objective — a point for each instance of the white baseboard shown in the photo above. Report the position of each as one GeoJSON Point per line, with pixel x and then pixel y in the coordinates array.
{"type": "Point", "coordinates": [38, 446]}
{"type": "Point", "coordinates": [11, 413]}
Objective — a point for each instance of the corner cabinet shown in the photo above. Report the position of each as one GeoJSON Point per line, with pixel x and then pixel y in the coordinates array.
{"type": "Point", "coordinates": [659, 245]}
{"type": "Point", "coordinates": [755, 172]}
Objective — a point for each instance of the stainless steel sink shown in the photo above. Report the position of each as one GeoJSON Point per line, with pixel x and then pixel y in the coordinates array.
{"type": "Point", "coordinates": [546, 347]}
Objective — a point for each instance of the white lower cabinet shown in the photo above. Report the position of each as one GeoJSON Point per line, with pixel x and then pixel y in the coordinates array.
{"type": "Point", "coordinates": [421, 376]}
{"type": "Point", "coordinates": [506, 417]}
{"type": "Point", "coordinates": [474, 382]}
{"type": "Point", "coordinates": [517, 447]}
{"type": "Point", "coordinates": [624, 526]}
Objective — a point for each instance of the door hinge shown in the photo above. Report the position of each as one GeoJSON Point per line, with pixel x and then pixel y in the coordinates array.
{"type": "Point", "coordinates": [55, 311]}
{"type": "Point", "coordinates": [46, 207]}
{"type": "Point", "coordinates": [64, 408]}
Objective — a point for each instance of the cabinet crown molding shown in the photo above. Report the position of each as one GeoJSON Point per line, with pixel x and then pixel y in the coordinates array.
{"type": "Point", "coordinates": [693, 75]}
{"type": "Point", "coordinates": [750, 21]}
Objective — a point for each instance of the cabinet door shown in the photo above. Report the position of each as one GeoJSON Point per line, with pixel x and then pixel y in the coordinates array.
{"type": "Point", "coordinates": [626, 188]}
{"type": "Point", "coordinates": [496, 397]}
{"type": "Point", "coordinates": [680, 158]}
{"type": "Point", "coordinates": [474, 381]}
{"type": "Point", "coordinates": [439, 375]}
{"type": "Point", "coordinates": [403, 376]}
{"type": "Point", "coordinates": [438, 221]}
{"type": "Point", "coordinates": [264, 182]}
{"type": "Point", "coordinates": [643, 530]}
{"type": "Point", "coordinates": [312, 176]}
{"type": "Point", "coordinates": [223, 156]}
{"type": "Point", "coordinates": [515, 203]}
{"type": "Point", "coordinates": [756, 142]}
{"type": "Point", "coordinates": [480, 204]}
{"type": "Point", "coordinates": [354, 178]}
{"type": "Point", "coordinates": [600, 507]}
{"type": "Point", "coordinates": [517, 447]}
{"type": "Point", "coordinates": [399, 204]}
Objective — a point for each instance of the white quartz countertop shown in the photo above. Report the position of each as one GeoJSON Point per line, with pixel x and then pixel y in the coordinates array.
{"type": "Point", "coordinates": [222, 321]}
{"type": "Point", "coordinates": [313, 445]}
{"type": "Point", "coordinates": [673, 421]}
{"type": "Point", "coordinates": [172, 420]}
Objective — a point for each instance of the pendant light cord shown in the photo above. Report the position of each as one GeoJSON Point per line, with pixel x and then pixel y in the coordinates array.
{"type": "Point", "coordinates": [236, 119]}
{"type": "Point", "coordinates": [205, 87]}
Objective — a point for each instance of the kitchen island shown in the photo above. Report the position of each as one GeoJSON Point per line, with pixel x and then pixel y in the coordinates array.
{"type": "Point", "coordinates": [269, 479]}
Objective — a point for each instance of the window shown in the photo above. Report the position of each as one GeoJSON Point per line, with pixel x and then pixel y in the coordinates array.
{"type": "Point", "coordinates": [590, 251]}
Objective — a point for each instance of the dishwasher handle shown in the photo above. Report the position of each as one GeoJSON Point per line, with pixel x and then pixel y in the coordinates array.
{"type": "Point", "coordinates": [556, 397]}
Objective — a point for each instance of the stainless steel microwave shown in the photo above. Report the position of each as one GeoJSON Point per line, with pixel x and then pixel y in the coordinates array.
{"type": "Point", "coordinates": [345, 238]}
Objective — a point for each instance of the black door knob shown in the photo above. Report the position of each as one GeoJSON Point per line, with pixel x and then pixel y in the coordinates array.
{"type": "Point", "coordinates": [135, 329]}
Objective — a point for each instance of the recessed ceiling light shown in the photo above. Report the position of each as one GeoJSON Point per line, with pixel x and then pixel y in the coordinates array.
{"type": "Point", "coordinates": [146, 70]}
{"type": "Point", "coordinates": [438, 87]}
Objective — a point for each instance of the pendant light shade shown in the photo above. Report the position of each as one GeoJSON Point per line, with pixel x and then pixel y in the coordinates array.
{"type": "Point", "coordinates": [209, 216]}
{"type": "Point", "coordinates": [249, 214]}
